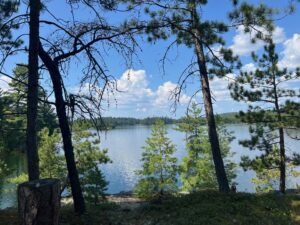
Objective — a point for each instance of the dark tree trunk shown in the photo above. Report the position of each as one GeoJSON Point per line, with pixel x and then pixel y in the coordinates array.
{"type": "Point", "coordinates": [56, 78]}
{"type": "Point", "coordinates": [282, 161]}
{"type": "Point", "coordinates": [281, 140]}
{"type": "Point", "coordinates": [32, 92]}
{"type": "Point", "coordinates": [39, 202]}
{"type": "Point", "coordinates": [212, 129]}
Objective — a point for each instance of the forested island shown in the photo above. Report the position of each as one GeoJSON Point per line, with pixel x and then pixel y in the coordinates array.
{"type": "Point", "coordinates": [149, 112]}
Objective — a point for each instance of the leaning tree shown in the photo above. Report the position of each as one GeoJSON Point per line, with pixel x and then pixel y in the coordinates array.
{"type": "Point", "coordinates": [78, 44]}
{"type": "Point", "coordinates": [184, 23]}
{"type": "Point", "coordinates": [87, 42]}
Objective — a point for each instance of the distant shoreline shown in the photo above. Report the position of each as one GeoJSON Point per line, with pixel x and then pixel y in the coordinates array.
{"type": "Point", "coordinates": [114, 122]}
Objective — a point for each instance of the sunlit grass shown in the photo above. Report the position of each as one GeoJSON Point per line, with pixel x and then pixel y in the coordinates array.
{"type": "Point", "coordinates": [207, 208]}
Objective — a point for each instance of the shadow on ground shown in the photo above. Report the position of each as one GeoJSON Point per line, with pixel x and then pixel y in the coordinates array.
{"type": "Point", "coordinates": [207, 208]}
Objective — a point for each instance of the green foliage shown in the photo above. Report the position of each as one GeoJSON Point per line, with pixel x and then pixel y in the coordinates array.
{"type": "Point", "coordinates": [197, 168]}
{"type": "Point", "coordinates": [267, 180]}
{"type": "Point", "coordinates": [267, 174]}
{"type": "Point", "coordinates": [89, 157]}
{"type": "Point", "coordinates": [293, 109]}
{"type": "Point", "coordinates": [52, 162]}
{"type": "Point", "coordinates": [7, 9]}
{"type": "Point", "coordinates": [23, 177]}
{"type": "Point", "coordinates": [268, 114]}
{"type": "Point", "coordinates": [229, 118]}
{"type": "Point", "coordinates": [13, 105]}
{"type": "Point", "coordinates": [184, 21]}
{"type": "Point", "coordinates": [250, 15]}
{"type": "Point", "coordinates": [159, 169]}
{"type": "Point", "coordinates": [3, 167]}
{"type": "Point", "coordinates": [113, 122]}
{"type": "Point", "coordinates": [201, 208]}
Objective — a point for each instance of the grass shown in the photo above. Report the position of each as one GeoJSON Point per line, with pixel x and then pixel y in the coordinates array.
{"type": "Point", "coordinates": [207, 208]}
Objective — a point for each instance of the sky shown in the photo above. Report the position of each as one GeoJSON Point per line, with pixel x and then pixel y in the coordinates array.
{"type": "Point", "coordinates": [146, 89]}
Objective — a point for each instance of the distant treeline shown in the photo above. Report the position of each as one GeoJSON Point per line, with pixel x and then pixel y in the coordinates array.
{"type": "Point", "coordinates": [231, 117]}
{"type": "Point", "coordinates": [113, 122]}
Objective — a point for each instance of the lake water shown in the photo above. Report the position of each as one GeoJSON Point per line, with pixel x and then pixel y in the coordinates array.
{"type": "Point", "coordinates": [125, 150]}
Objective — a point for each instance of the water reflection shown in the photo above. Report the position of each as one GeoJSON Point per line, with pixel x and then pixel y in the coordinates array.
{"type": "Point", "coordinates": [17, 164]}
{"type": "Point", "coordinates": [125, 148]}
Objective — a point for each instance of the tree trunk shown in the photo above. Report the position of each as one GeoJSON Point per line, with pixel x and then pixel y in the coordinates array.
{"type": "Point", "coordinates": [281, 139]}
{"type": "Point", "coordinates": [39, 202]}
{"type": "Point", "coordinates": [32, 92]}
{"type": "Point", "coordinates": [282, 161]}
{"type": "Point", "coordinates": [212, 129]}
{"type": "Point", "coordinates": [56, 78]}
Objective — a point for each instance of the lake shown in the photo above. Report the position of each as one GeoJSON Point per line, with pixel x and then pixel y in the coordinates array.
{"type": "Point", "coordinates": [124, 144]}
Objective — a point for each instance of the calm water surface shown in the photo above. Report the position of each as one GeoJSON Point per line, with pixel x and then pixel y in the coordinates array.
{"type": "Point", "coordinates": [125, 148]}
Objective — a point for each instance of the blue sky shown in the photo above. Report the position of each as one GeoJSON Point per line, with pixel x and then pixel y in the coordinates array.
{"type": "Point", "coordinates": [146, 91]}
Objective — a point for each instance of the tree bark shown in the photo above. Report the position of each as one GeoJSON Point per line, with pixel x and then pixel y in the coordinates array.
{"type": "Point", "coordinates": [32, 92]}
{"type": "Point", "coordinates": [39, 202]}
{"type": "Point", "coordinates": [212, 129]}
{"type": "Point", "coordinates": [56, 78]}
{"type": "Point", "coordinates": [282, 166]}
{"type": "Point", "coordinates": [282, 161]}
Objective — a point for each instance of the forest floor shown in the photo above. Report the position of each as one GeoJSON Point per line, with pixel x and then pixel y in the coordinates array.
{"type": "Point", "coordinates": [206, 207]}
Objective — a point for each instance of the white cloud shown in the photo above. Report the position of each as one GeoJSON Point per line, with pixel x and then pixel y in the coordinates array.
{"type": "Point", "coordinates": [279, 35]}
{"type": "Point", "coordinates": [242, 44]}
{"type": "Point", "coordinates": [250, 67]}
{"type": "Point", "coordinates": [135, 97]}
{"type": "Point", "coordinates": [291, 52]}
{"type": "Point", "coordinates": [164, 94]}
{"type": "Point", "coordinates": [4, 83]}
{"type": "Point", "coordinates": [219, 88]}
{"type": "Point", "coordinates": [135, 93]}
{"type": "Point", "coordinates": [134, 83]}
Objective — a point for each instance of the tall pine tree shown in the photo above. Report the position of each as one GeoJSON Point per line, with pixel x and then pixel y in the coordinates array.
{"type": "Point", "coordinates": [184, 21]}
{"type": "Point", "coordinates": [268, 115]}
{"type": "Point", "coordinates": [32, 90]}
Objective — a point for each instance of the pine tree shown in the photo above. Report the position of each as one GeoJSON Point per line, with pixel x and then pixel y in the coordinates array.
{"type": "Point", "coordinates": [13, 112]}
{"type": "Point", "coordinates": [184, 21]}
{"type": "Point", "coordinates": [159, 170]}
{"type": "Point", "coordinates": [81, 37]}
{"type": "Point", "coordinates": [89, 158]}
{"type": "Point", "coordinates": [197, 168]}
{"type": "Point", "coordinates": [33, 90]}
{"type": "Point", "coordinates": [268, 115]}
{"type": "Point", "coordinates": [7, 9]}
{"type": "Point", "coordinates": [52, 163]}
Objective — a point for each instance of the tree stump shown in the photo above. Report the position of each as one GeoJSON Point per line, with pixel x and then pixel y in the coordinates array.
{"type": "Point", "coordinates": [39, 202]}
